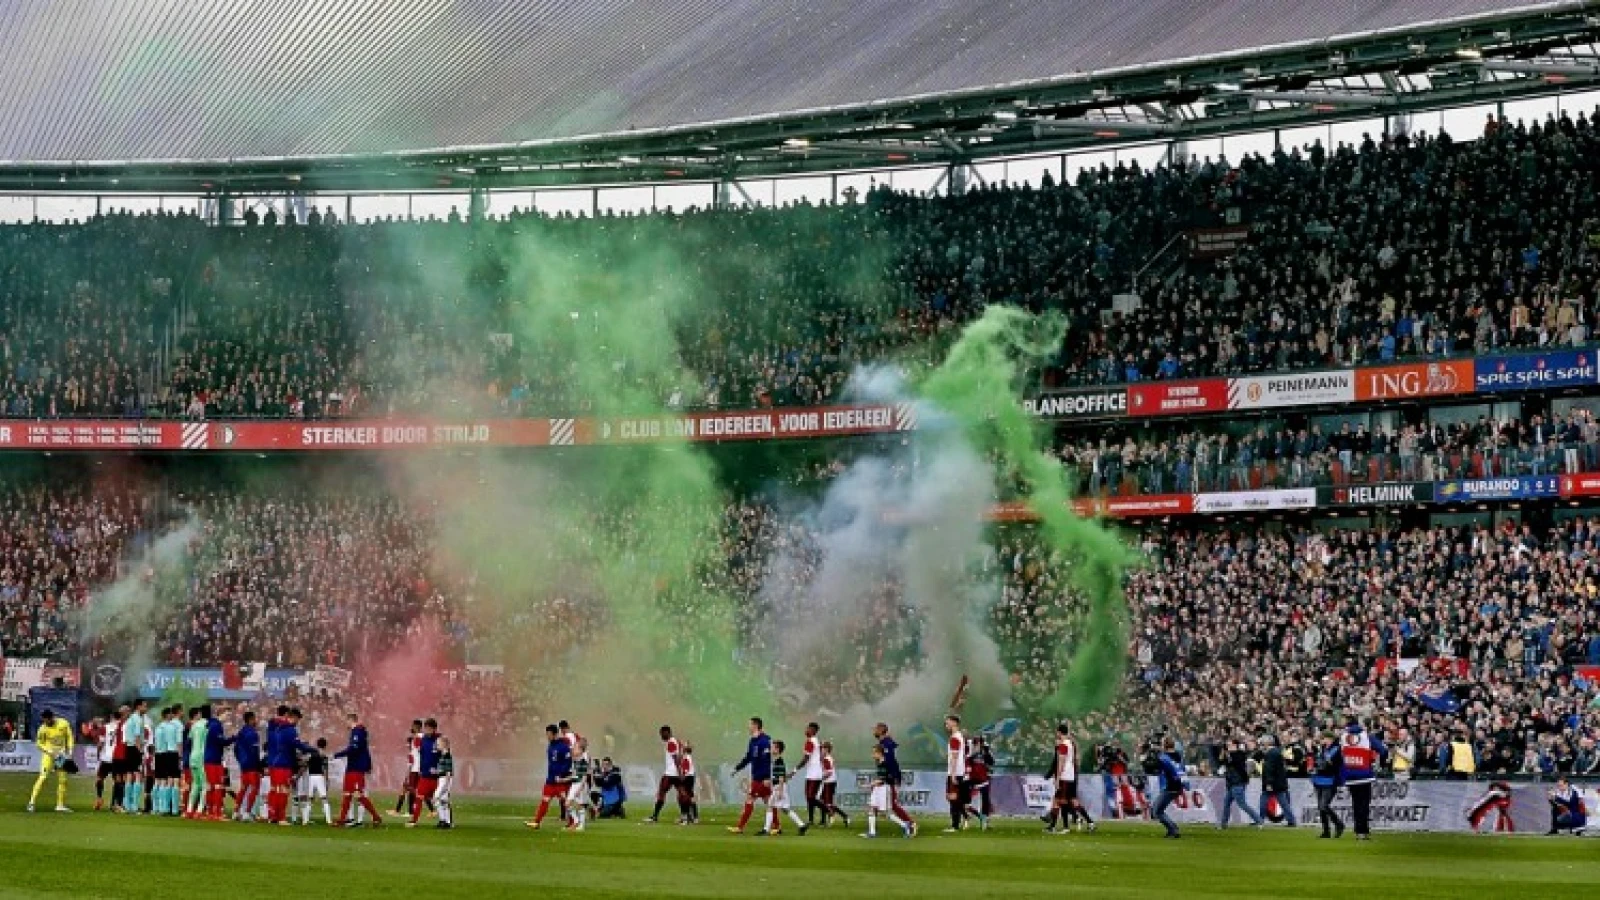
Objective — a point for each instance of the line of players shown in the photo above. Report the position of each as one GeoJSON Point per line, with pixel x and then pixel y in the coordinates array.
{"type": "Point", "coordinates": [569, 781]}
{"type": "Point", "coordinates": [178, 767]}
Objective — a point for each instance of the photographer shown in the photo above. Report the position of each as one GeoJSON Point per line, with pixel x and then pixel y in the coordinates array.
{"type": "Point", "coordinates": [1236, 773]}
{"type": "Point", "coordinates": [1167, 766]}
{"type": "Point", "coordinates": [1567, 811]}
{"type": "Point", "coordinates": [612, 794]}
{"type": "Point", "coordinates": [1327, 773]}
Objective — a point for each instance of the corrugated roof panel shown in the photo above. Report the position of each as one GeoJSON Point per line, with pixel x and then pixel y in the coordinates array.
{"type": "Point", "coordinates": [217, 79]}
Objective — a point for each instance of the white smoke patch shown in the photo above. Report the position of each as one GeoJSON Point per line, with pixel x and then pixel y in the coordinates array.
{"type": "Point", "coordinates": [903, 530]}
{"type": "Point", "coordinates": [130, 612]}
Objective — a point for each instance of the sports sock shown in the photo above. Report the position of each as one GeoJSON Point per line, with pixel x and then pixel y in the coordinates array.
{"type": "Point", "coordinates": [872, 822]}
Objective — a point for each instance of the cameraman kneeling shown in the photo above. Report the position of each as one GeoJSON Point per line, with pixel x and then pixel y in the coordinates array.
{"type": "Point", "coordinates": [1567, 812]}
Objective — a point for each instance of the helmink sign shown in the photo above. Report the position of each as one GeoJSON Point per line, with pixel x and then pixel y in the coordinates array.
{"type": "Point", "coordinates": [1388, 494]}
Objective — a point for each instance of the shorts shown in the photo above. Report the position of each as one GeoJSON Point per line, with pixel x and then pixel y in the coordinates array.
{"type": "Point", "coordinates": [440, 795]}
{"type": "Point", "coordinates": [879, 798]}
{"type": "Point", "coordinates": [215, 775]}
{"type": "Point", "coordinates": [168, 765]}
{"type": "Point", "coordinates": [554, 792]}
{"type": "Point", "coordinates": [828, 790]}
{"type": "Point", "coordinates": [106, 769]}
{"type": "Point", "coordinates": [780, 796]}
{"type": "Point", "coordinates": [355, 782]}
{"type": "Point", "coordinates": [686, 786]}
{"type": "Point", "coordinates": [131, 763]}
{"type": "Point", "coordinates": [1066, 791]}
{"type": "Point", "coordinates": [668, 783]}
{"type": "Point", "coordinates": [278, 777]}
{"type": "Point", "coordinates": [411, 783]}
{"type": "Point", "coordinates": [577, 793]}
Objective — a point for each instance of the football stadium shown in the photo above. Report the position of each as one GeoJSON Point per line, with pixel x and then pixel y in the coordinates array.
{"type": "Point", "coordinates": [887, 448]}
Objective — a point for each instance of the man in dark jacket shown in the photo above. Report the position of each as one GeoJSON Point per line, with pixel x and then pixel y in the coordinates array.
{"type": "Point", "coordinates": [1236, 773]}
{"type": "Point", "coordinates": [1275, 781]}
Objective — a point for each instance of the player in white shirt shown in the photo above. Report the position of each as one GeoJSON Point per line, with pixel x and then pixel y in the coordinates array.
{"type": "Point", "coordinates": [671, 776]}
{"type": "Point", "coordinates": [686, 776]}
{"type": "Point", "coordinates": [578, 791]}
{"type": "Point", "coordinates": [830, 785]}
{"type": "Point", "coordinates": [1064, 770]}
{"type": "Point", "coordinates": [810, 769]}
{"type": "Point", "coordinates": [955, 772]}
{"type": "Point", "coordinates": [106, 749]}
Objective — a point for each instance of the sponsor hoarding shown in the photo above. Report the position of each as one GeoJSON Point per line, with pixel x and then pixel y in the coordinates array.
{"type": "Point", "coordinates": [1309, 389]}
{"type": "Point", "coordinates": [1389, 494]}
{"type": "Point", "coordinates": [746, 425]}
{"type": "Point", "coordinates": [1580, 485]}
{"type": "Point", "coordinates": [1535, 371]}
{"type": "Point", "coordinates": [1113, 507]}
{"type": "Point", "coordinates": [1255, 501]}
{"type": "Point", "coordinates": [215, 682]}
{"type": "Point", "coordinates": [1176, 398]}
{"type": "Point", "coordinates": [1087, 404]}
{"type": "Point", "coordinates": [1520, 487]}
{"type": "Point", "coordinates": [1430, 379]}
{"type": "Point", "coordinates": [89, 434]}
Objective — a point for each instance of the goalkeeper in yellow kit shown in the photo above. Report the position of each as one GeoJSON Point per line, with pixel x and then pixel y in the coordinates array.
{"type": "Point", "coordinates": [55, 751]}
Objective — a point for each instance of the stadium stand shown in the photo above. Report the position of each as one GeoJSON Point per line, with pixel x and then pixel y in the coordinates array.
{"type": "Point", "coordinates": [1364, 254]}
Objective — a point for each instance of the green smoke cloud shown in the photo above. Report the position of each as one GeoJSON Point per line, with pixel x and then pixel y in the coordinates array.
{"type": "Point", "coordinates": [977, 384]}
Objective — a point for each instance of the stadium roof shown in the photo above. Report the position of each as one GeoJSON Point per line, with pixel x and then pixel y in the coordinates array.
{"type": "Point", "coordinates": [216, 87]}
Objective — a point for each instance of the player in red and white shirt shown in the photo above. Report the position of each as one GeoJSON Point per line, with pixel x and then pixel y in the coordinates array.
{"type": "Point", "coordinates": [686, 776]}
{"type": "Point", "coordinates": [408, 791]}
{"type": "Point", "coordinates": [671, 776]}
{"type": "Point", "coordinates": [810, 768]}
{"type": "Point", "coordinates": [830, 785]}
{"type": "Point", "coordinates": [955, 772]}
{"type": "Point", "coordinates": [979, 762]}
{"type": "Point", "coordinates": [1064, 769]}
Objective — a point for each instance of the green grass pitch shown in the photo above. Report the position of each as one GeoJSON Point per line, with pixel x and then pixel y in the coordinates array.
{"type": "Point", "coordinates": [491, 855]}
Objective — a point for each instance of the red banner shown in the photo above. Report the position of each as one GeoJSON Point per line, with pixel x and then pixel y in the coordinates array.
{"type": "Point", "coordinates": [375, 434]}
{"type": "Point", "coordinates": [1176, 398]}
{"type": "Point", "coordinates": [1580, 485]}
{"type": "Point", "coordinates": [399, 434]}
{"type": "Point", "coordinates": [1415, 380]}
{"type": "Point", "coordinates": [751, 425]}
{"type": "Point", "coordinates": [89, 434]}
{"type": "Point", "coordinates": [1112, 507]}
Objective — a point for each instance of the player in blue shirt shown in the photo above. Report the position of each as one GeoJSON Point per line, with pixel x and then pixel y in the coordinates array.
{"type": "Point", "coordinates": [558, 768]}
{"type": "Point", "coordinates": [357, 756]}
{"type": "Point", "coordinates": [283, 747]}
{"type": "Point", "coordinates": [886, 743]}
{"type": "Point", "coordinates": [247, 750]}
{"type": "Point", "coordinates": [758, 756]}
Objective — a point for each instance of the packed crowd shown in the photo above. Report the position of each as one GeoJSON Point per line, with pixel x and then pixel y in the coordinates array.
{"type": "Point", "coordinates": [1404, 247]}
{"type": "Point", "coordinates": [1260, 455]}
{"type": "Point", "coordinates": [1437, 636]}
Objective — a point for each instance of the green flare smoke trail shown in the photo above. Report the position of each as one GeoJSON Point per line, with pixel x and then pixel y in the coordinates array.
{"type": "Point", "coordinates": [977, 383]}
